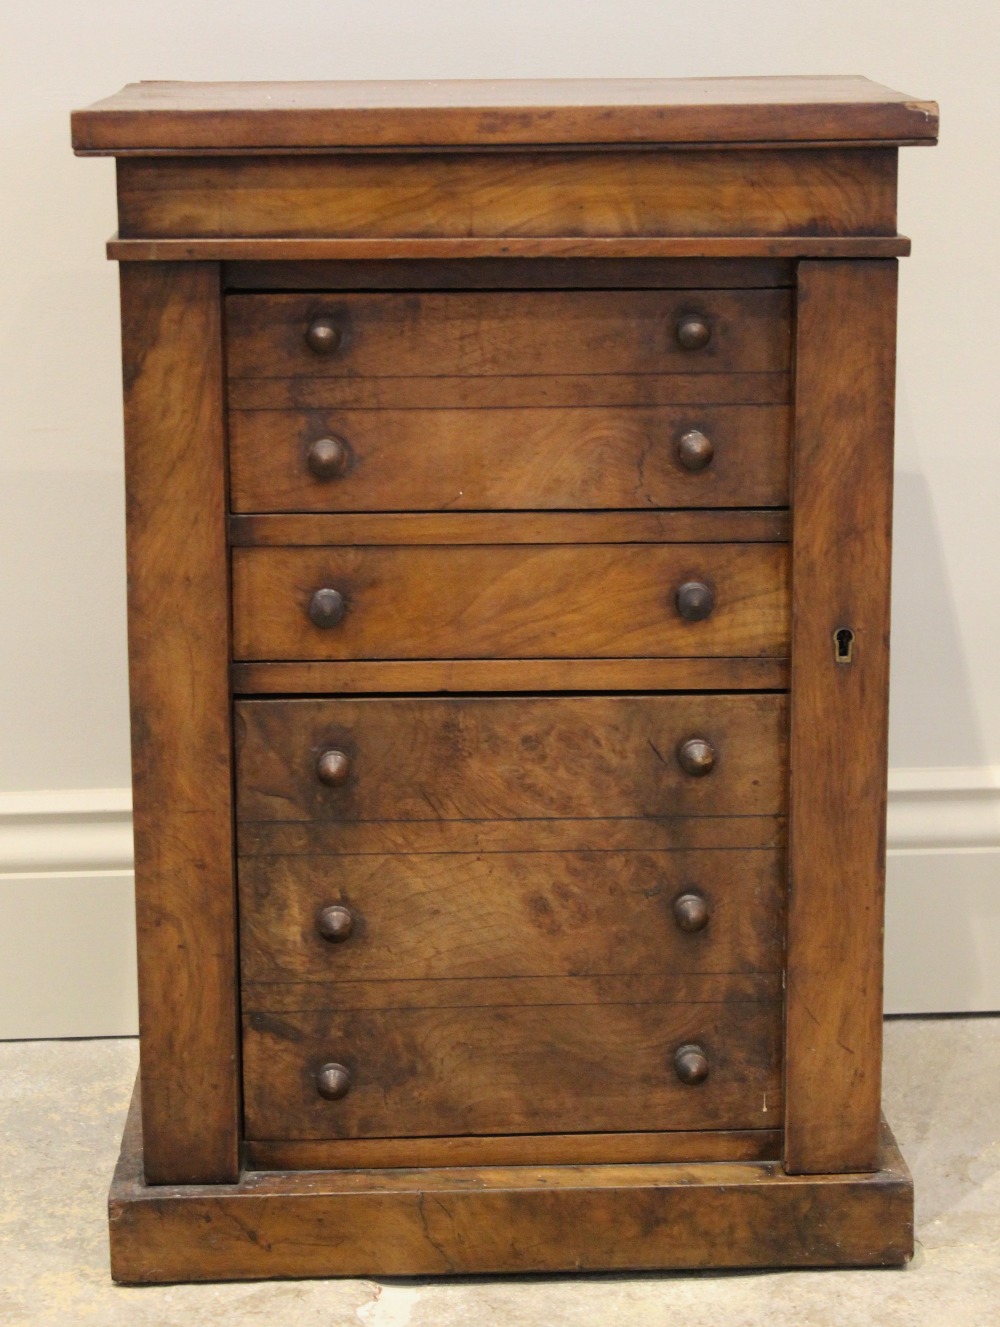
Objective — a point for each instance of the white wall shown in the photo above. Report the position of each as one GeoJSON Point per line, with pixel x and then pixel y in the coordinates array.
{"type": "Point", "coordinates": [63, 724]}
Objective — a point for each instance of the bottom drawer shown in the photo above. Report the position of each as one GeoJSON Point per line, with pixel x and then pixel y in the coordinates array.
{"type": "Point", "coordinates": [513, 1068]}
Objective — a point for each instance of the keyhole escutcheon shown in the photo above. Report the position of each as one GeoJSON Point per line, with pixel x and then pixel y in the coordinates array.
{"type": "Point", "coordinates": [843, 645]}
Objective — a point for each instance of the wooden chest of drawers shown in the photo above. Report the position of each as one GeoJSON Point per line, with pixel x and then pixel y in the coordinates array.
{"type": "Point", "coordinates": [509, 475]}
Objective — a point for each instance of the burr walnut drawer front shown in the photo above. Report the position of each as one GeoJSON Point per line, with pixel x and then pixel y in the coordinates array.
{"type": "Point", "coordinates": [511, 758]}
{"type": "Point", "coordinates": [511, 601]}
{"type": "Point", "coordinates": [519, 457]}
{"type": "Point", "coordinates": [510, 915]}
{"type": "Point", "coordinates": [503, 333]}
{"type": "Point", "coordinates": [575, 1058]}
{"type": "Point", "coordinates": [377, 916]}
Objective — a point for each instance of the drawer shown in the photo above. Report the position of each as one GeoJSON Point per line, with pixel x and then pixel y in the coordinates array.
{"type": "Point", "coordinates": [506, 758]}
{"type": "Point", "coordinates": [507, 333]}
{"type": "Point", "coordinates": [413, 916]}
{"type": "Point", "coordinates": [509, 459]}
{"type": "Point", "coordinates": [505, 601]}
{"type": "Point", "coordinates": [508, 1069]}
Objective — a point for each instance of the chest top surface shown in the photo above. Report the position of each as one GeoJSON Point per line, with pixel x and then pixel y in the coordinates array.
{"type": "Point", "coordinates": [153, 117]}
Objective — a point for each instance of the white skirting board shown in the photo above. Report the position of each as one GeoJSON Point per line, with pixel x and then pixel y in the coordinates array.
{"type": "Point", "coordinates": [66, 912]}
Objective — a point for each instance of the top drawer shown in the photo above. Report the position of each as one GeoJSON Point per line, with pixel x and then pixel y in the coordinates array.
{"type": "Point", "coordinates": [485, 334]}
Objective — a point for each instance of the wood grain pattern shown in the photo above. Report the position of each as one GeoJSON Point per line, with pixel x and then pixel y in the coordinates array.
{"type": "Point", "coordinates": [504, 1219]}
{"type": "Point", "coordinates": [181, 743]}
{"type": "Point", "coordinates": [511, 675]}
{"type": "Point", "coordinates": [282, 251]}
{"type": "Point", "coordinates": [842, 516]}
{"type": "Point", "coordinates": [485, 601]}
{"type": "Point", "coordinates": [511, 1069]}
{"type": "Point", "coordinates": [474, 195]}
{"type": "Point", "coordinates": [413, 460]}
{"type": "Point", "coordinates": [533, 757]}
{"type": "Point", "coordinates": [508, 915]}
{"type": "Point", "coordinates": [577, 1149]}
{"type": "Point", "coordinates": [233, 116]}
{"type": "Point", "coordinates": [512, 274]}
{"type": "Point", "coordinates": [457, 994]}
{"type": "Point", "coordinates": [288, 838]}
{"type": "Point", "coordinates": [507, 333]}
{"type": "Point", "coordinates": [365, 529]}
{"type": "Point", "coordinates": [503, 392]}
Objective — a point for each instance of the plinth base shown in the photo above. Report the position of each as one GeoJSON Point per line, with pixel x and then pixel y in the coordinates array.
{"type": "Point", "coordinates": [499, 1219]}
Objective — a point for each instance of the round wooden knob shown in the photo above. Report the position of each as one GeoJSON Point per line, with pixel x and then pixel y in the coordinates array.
{"type": "Point", "coordinates": [691, 1064]}
{"type": "Point", "coordinates": [323, 336]}
{"type": "Point", "coordinates": [690, 912]}
{"type": "Point", "coordinates": [335, 923]}
{"type": "Point", "coordinates": [695, 601]}
{"type": "Point", "coordinates": [696, 757]}
{"type": "Point", "coordinates": [693, 332]}
{"type": "Point", "coordinates": [327, 458]}
{"type": "Point", "coordinates": [695, 451]}
{"type": "Point", "coordinates": [333, 768]}
{"type": "Point", "coordinates": [333, 1081]}
{"type": "Point", "coordinates": [327, 608]}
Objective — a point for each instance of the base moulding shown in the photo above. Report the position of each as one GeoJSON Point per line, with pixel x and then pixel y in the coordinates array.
{"type": "Point", "coordinates": [498, 1219]}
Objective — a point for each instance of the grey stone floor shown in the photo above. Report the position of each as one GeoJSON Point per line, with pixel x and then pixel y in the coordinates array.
{"type": "Point", "coordinates": [62, 1105]}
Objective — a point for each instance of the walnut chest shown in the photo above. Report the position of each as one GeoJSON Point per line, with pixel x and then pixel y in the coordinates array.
{"type": "Point", "coordinates": [509, 472]}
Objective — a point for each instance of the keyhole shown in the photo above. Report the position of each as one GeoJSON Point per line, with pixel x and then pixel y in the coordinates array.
{"type": "Point", "coordinates": [843, 640]}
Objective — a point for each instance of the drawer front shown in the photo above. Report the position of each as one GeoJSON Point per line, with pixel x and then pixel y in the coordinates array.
{"type": "Point", "coordinates": [507, 333]}
{"type": "Point", "coordinates": [504, 601]}
{"type": "Point", "coordinates": [511, 1069]}
{"type": "Point", "coordinates": [440, 759]}
{"type": "Point", "coordinates": [506, 914]}
{"type": "Point", "coordinates": [509, 459]}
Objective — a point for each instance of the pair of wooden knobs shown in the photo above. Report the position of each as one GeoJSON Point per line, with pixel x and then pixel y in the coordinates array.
{"type": "Point", "coordinates": [694, 601]}
{"type": "Point", "coordinates": [335, 923]}
{"type": "Point", "coordinates": [329, 458]}
{"type": "Point", "coordinates": [325, 336]}
{"type": "Point", "coordinates": [333, 1080]}
{"type": "Point", "coordinates": [696, 757]}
